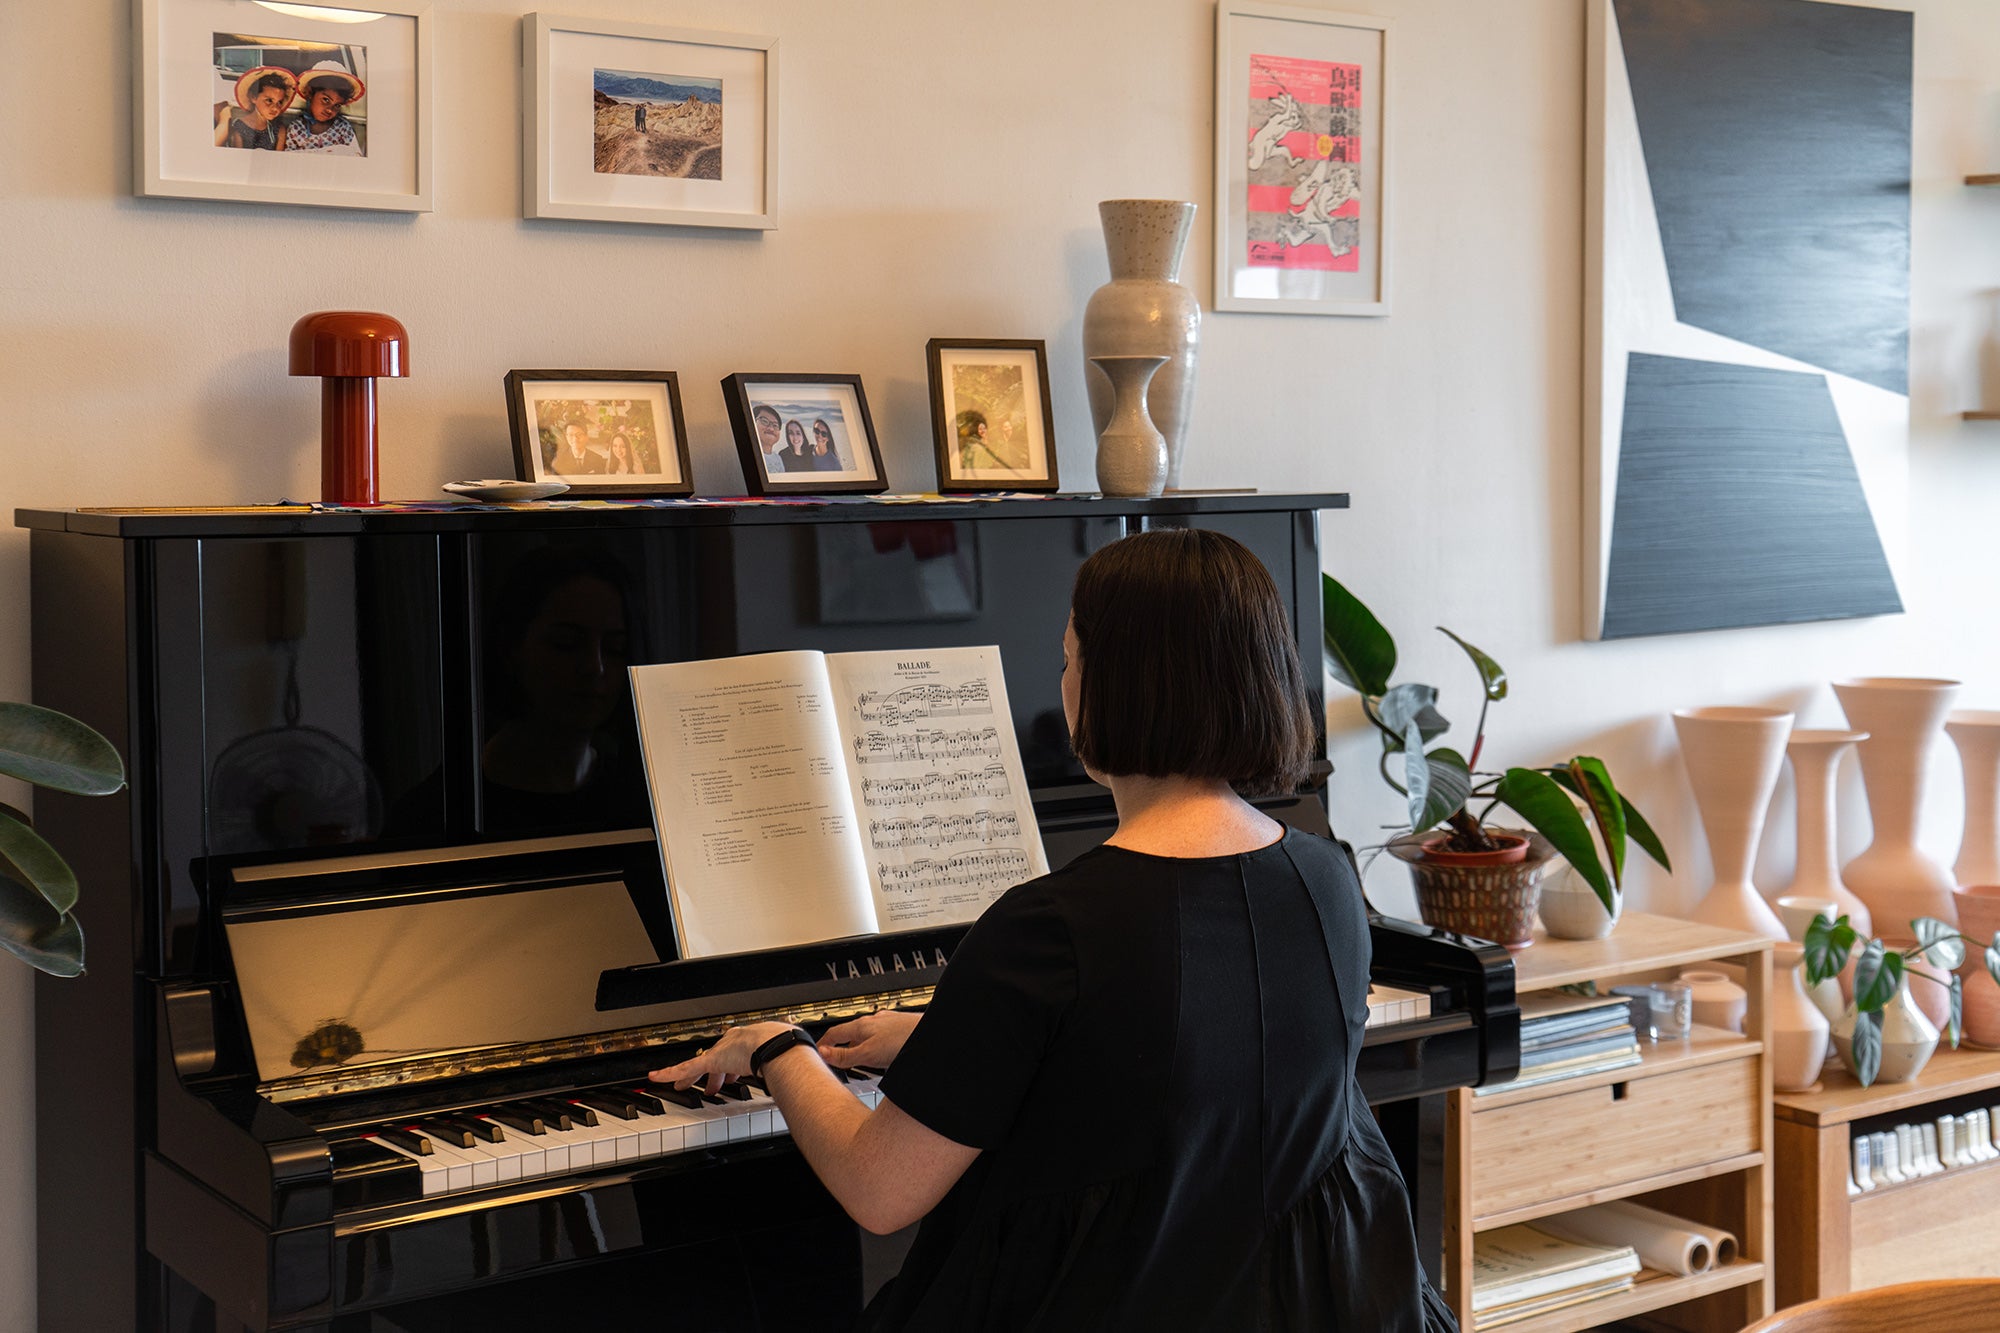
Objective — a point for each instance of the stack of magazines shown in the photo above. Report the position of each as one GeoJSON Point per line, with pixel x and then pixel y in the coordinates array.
{"type": "Point", "coordinates": [1563, 1036]}
{"type": "Point", "coordinates": [1522, 1271]}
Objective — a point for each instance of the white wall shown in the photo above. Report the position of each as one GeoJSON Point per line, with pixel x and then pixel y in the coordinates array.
{"type": "Point", "coordinates": [941, 163]}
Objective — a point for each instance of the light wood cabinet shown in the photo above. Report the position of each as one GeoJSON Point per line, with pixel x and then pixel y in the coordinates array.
{"type": "Point", "coordinates": [1687, 1131]}
{"type": "Point", "coordinates": [1933, 1227]}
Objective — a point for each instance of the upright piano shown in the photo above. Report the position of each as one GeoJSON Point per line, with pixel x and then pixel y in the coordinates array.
{"type": "Point", "coordinates": [378, 941]}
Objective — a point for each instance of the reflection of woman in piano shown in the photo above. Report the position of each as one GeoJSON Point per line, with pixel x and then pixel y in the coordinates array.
{"type": "Point", "coordinates": [1131, 1102]}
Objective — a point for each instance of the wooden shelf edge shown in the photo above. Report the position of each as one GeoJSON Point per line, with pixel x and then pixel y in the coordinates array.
{"type": "Point", "coordinates": [1550, 963]}
{"type": "Point", "coordinates": [1983, 414]}
{"type": "Point", "coordinates": [1655, 1058]}
{"type": "Point", "coordinates": [1950, 1074]}
{"type": "Point", "coordinates": [1528, 1212]}
{"type": "Point", "coordinates": [1984, 178]}
{"type": "Point", "coordinates": [1645, 1296]}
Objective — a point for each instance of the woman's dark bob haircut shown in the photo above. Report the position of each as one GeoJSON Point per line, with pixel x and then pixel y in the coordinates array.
{"type": "Point", "coordinates": [1189, 667]}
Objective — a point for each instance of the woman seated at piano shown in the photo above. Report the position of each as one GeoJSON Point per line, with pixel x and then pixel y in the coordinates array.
{"type": "Point", "coordinates": [1131, 1102]}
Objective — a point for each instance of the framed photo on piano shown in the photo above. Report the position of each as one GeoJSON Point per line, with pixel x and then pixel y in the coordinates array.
{"type": "Point", "coordinates": [804, 434]}
{"type": "Point", "coordinates": [990, 414]}
{"type": "Point", "coordinates": [603, 432]}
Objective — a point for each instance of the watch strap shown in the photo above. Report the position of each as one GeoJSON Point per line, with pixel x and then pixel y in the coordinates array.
{"type": "Point", "coordinates": [784, 1041]}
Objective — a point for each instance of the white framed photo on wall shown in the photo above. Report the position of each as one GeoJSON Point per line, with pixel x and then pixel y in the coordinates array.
{"type": "Point", "coordinates": [325, 105]}
{"type": "Point", "coordinates": [630, 122]}
{"type": "Point", "coordinates": [1302, 120]}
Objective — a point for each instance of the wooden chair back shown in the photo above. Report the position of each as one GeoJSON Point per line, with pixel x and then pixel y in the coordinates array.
{"type": "Point", "coordinates": [1949, 1305]}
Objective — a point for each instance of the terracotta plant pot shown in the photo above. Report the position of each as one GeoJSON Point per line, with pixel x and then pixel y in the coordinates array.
{"type": "Point", "coordinates": [1492, 901]}
{"type": "Point", "coordinates": [1978, 918]}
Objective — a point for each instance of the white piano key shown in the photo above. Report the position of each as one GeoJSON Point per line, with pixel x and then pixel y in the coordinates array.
{"type": "Point", "coordinates": [434, 1170]}
{"type": "Point", "coordinates": [468, 1170]}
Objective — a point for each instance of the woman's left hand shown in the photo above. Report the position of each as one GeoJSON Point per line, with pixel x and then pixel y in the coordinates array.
{"type": "Point", "coordinates": [726, 1061]}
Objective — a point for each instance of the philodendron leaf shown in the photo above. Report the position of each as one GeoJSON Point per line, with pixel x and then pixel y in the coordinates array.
{"type": "Point", "coordinates": [1359, 652]}
{"type": "Point", "coordinates": [26, 858]}
{"type": "Point", "coordinates": [1939, 943]}
{"type": "Point", "coordinates": [37, 934]}
{"type": "Point", "coordinates": [1827, 944]}
{"type": "Point", "coordinates": [1535, 797]}
{"type": "Point", "coordinates": [1873, 984]}
{"type": "Point", "coordinates": [1408, 704]}
{"type": "Point", "coordinates": [1450, 783]}
{"type": "Point", "coordinates": [51, 749]}
{"type": "Point", "coordinates": [1601, 799]}
{"type": "Point", "coordinates": [1866, 1047]}
{"type": "Point", "coordinates": [1492, 677]}
{"type": "Point", "coordinates": [1416, 778]}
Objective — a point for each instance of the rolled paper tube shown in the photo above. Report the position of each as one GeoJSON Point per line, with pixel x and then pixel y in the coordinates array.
{"type": "Point", "coordinates": [1663, 1242]}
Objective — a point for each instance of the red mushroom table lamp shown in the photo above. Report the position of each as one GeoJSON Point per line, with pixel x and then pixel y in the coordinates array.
{"type": "Point", "coordinates": [348, 349]}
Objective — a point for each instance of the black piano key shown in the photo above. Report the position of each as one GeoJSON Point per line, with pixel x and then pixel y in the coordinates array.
{"type": "Point", "coordinates": [687, 1097]}
{"type": "Point", "coordinates": [611, 1106]}
{"type": "Point", "coordinates": [736, 1092]}
{"type": "Point", "coordinates": [756, 1082]}
{"type": "Point", "coordinates": [514, 1118]}
{"type": "Point", "coordinates": [458, 1136]}
{"type": "Point", "coordinates": [407, 1139]}
{"type": "Point", "coordinates": [558, 1115]}
{"type": "Point", "coordinates": [579, 1112]}
{"type": "Point", "coordinates": [646, 1099]}
{"type": "Point", "coordinates": [472, 1124]}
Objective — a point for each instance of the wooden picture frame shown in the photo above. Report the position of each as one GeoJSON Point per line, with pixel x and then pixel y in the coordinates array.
{"type": "Point", "coordinates": [707, 156]}
{"type": "Point", "coordinates": [198, 104]}
{"type": "Point", "coordinates": [602, 432]}
{"type": "Point", "coordinates": [992, 423]}
{"type": "Point", "coordinates": [817, 417]}
{"type": "Point", "coordinates": [1303, 114]}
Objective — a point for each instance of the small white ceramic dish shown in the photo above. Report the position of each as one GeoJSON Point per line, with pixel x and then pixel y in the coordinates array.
{"type": "Point", "coordinates": [495, 491]}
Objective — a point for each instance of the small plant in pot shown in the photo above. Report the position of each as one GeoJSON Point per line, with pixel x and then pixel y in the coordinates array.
{"type": "Point", "coordinates": [1883, 1032]}
{"type": "Point", "coordinates": [38, 890]}
{"type": "Point", "coordinates": [1472, 876]}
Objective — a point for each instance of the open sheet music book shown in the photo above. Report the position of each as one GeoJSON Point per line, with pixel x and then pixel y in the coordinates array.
{"type": "Point", "coordinates": [809, 796]}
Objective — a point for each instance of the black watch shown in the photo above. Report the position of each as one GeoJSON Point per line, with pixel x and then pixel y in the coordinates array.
{"type": "Point", "coordinates": [784, 1041]}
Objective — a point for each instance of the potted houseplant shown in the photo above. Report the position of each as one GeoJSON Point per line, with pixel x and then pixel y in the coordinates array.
{"type": "Point", "coordinates": [1472, 876]}
{"type": "Point", "coordinates": [38, 890]}
{"type": "Point", "coordinates": [1883, 1032]}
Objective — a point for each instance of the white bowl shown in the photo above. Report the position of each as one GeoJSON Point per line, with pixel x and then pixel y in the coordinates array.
{"type": "Point", "coordinates": [495, 491]}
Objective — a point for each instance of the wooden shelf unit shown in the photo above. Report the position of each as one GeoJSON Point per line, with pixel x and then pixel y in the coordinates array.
{"type": "Point", "coordinates": [1689, 1128]}
{"type": "Point", "coordinates": [1938, 1226]}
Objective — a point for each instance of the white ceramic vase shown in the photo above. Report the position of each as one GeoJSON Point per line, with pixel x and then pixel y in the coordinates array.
{"type": "Point", "coordinates": [1143, 311]}
{"type": "Point", "coordinates": [1976, 733]}
{"type": "Point", "coordinates": [1131, 452]}
{"type": "Point", "coordinates": [1815, 757]}
{"type": "Point", "coordinates": [1797, 914]}
{"type": "Point", "coordinates": [1718, 1001]}
{"type": "Point", "coordinates": [1732, 757]}
{"type": "Point", "coordinates": [1799, 1031]}
{"type": "Point", "coordinates": [1897, 879]}
{"type": "Point", "coordinates": [1908, 1038]}
{"type": "Point", "coordinates": [1571, 909]}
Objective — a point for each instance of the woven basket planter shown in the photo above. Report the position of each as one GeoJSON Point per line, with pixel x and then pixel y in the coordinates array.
{"type": "Point", "coordinates": [1488, 902]}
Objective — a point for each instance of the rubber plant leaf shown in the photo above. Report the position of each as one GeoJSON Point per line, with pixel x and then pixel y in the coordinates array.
{"type": "Point", "coordinates": [1827, 946]}
{"type": "Point", "coordinates": [37, 934]}
{"type": "Point", "coordinates": [1491, 674]}
{"type": "Point", "coordinates": [1939, 942]}
{"type": "Point", "coordinates": [50, 749]}
{"type": "Point", "coordinates": [1601, 799]}
{"type": "Point", "coordinates": [1636, 826]}
{"type": "Point", "coordinates": [25, 858]}
{"type": "Point", "coordinates": [1866, 1047]}
{"type": "Point", "coordinates": [1448, 782]}
{"type": "Point", "coordinates": [1359, 652]}
{"type": "Point", "coordinates": [1535, 797]}
{"type": "Point", "coordinates": [1407, 704]}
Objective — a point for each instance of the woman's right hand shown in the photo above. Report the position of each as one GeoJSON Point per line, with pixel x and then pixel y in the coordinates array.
{"type": "Point", "coordinates": [873, 1040]}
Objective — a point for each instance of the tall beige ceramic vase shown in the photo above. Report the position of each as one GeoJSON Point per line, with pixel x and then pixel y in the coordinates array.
{"type": "Point", "coordinates": [1144, 311]}
{"type": "Point", "coordinates": [1976, 733]}
{"type": "Point", "coordinates": [1800, 1033]}
{"type": "Point", "coordinates": [1815, 757]}
{"type": "Point", "coordinates": [1897, 879]}
{"type": "Point", "coordinates": [1732, 757]}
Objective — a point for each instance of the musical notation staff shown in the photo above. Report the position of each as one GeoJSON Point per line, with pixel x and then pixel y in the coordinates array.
{"type": "Point", "coordinates": [980, 869]}
{"type": "Point", "coordinates": [914, 703]}
{"type": "Point", "coordinates": [990, 781]}
{"type": "Point", "coordinates": [926, 745]}
{"type": "Point", "coordinates": [944, 830]}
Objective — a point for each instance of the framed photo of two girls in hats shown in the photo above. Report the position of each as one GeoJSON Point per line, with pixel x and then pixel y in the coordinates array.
{"type": "Point", "coordinates": [327, 105]}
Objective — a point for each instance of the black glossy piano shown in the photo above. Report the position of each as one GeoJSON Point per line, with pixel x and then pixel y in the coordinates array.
{"type": "Point", "coordinates": [378, 943]}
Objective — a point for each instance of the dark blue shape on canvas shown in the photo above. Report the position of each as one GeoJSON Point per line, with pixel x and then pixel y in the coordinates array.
{"type": "Point", "coordinates": [1777, 141]}
{"type": "Point", "coordinates": [1737, 504]}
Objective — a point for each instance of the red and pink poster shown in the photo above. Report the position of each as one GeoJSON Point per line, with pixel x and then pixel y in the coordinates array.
{"type": "Point", "coordinates": [1302, 201]}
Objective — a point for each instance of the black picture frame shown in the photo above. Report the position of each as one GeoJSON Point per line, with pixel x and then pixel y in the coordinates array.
{"type": "Point", "coordinates": [1038, 427]}
{"type": "Point", "coordinates": [670, 474]}
{"type": "Point", "coordinates": [745, 392]}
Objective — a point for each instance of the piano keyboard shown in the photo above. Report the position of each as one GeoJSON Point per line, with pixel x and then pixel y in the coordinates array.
{"type": "Point", "coordinates": [1386, 1004]}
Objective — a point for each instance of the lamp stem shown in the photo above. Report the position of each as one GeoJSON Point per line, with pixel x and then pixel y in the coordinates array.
{"type": "Point", "coordinates": [347, 440]}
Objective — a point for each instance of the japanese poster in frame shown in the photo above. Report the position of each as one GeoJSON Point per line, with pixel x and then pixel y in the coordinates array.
{"type": "Point", "coordinates": [326, 105]}
{"type": "Point", "coordinates": [1302, 119]}
{"type": "Point", "coordinates": [990, 415]}
{"type": "Point", "coordinates": [632, 122]}
{"type": "Point", "coordinates": [601, 432]}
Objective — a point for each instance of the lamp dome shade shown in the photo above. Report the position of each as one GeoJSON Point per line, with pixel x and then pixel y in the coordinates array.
{"type": "Point", "coordinates": [356, 343]}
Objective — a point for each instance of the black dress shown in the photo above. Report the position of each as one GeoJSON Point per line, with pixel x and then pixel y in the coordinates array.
{"type": "Point", "coordinates": [1156, 1057]}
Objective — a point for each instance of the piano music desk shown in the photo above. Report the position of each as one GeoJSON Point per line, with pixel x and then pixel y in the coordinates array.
{"type": "Point", "coordinates": [1688, 1131]}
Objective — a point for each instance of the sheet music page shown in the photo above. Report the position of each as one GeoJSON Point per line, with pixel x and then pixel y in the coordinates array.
{"type": "Point", "coordinates": [937, 781]}
{"type": "Point", "coordinates": [750, 800]}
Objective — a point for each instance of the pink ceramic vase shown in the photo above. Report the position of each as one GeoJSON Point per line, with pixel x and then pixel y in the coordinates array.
{"type": "Point", "coordinates": [1799, 1031]}
{"type": "Point", "coordinates": [1897, 879]}
{"type": "Point", "coordinates": [1733, 756]}
{"type": "Point", "coordinates": [1815, 757]}
{"type": "Point", "coordinates": [1979, 918]}
{"type": "Point", "coordinates": [1976, 733]}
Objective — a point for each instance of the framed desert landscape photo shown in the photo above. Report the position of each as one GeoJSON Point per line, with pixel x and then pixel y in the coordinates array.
{"type": "Point", "coordinates": [803, 434]}
{"type": "Point", "coordinates": [990, 414]}
{"type": "Point", "coordinates": [603, 432]}
{"type": "Point", "coordinates": [628, 122]}
{"type": "Point", "coordinates": [325, 104]}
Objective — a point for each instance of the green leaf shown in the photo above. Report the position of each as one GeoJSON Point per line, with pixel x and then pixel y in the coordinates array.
{"type": "Point", "coordinates": [1601, 799]}
{"type": "Point", "coordinates": [24, 857]}
{"type": "Point", "coordinates": [1416, 778]}
{"type": "Point", "coordinates": [1413, 703]}
{"type": "Point", "coordinates": [1866, 1047]}
{"type": "Point", "coordinates": [50, 749]}
{"type": "Point", "coordinates": [1449, 782]}
{"type": "Point", "coordinates": [1642, 833]}
{"type": "Point", "coordinates": [1993, 958]}
{"type": "Point", "coordinates": [1826, 950]}
{"type": "Point", "coordinates": [1957, 1009]}
{"type": "Point", "coordinates": [1492, 676]}
{"type": "Point", "coordinates": [1359, 652]}
{"type": "Point", "coordinates": [1535, 797]}
{"type": "Point", "coordinates": [1873, 984]}
{"type": "Point", "coordinates": [1939, 942]}
{"type": "Point", "coordinates": [37, 934]}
